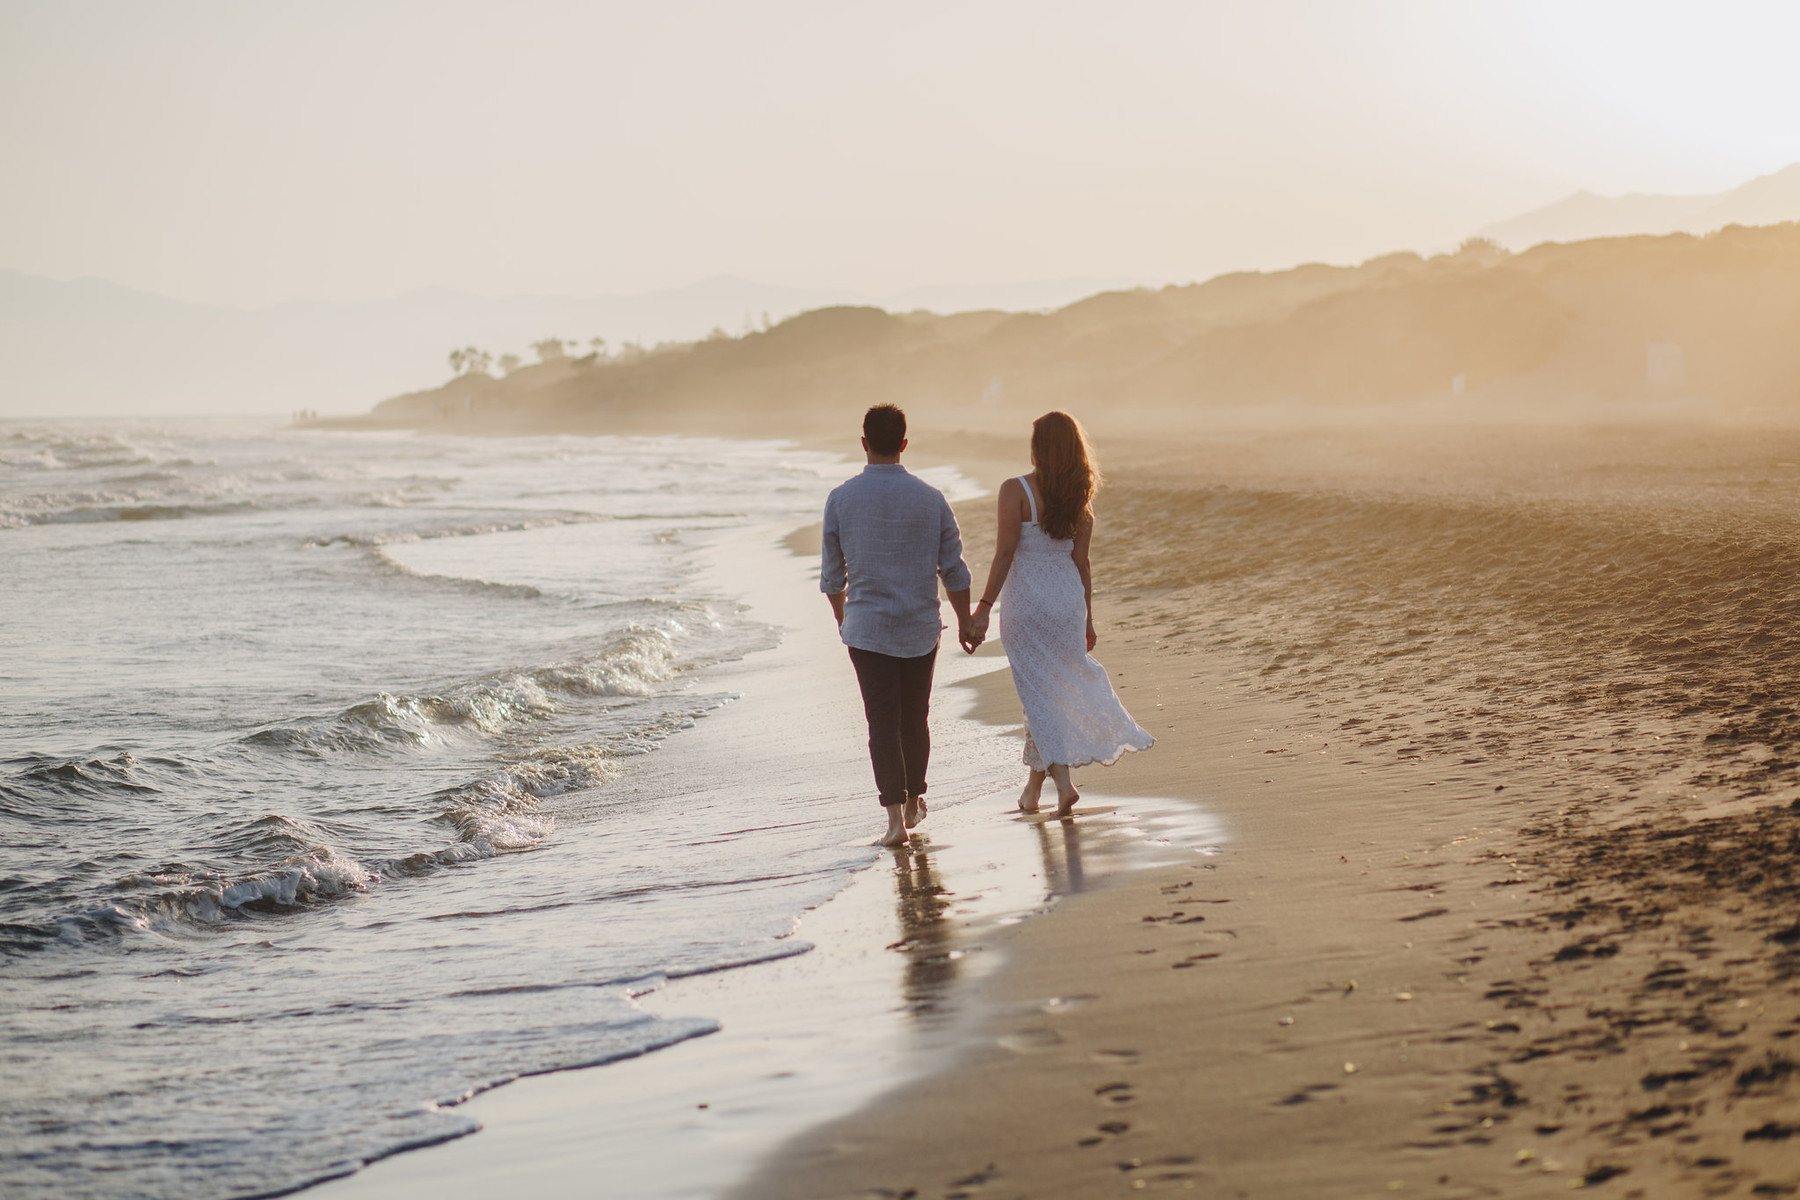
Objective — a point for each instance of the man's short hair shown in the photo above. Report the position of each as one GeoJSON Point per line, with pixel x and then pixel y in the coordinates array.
{"type": "Point", "coordinates": [885, 427]}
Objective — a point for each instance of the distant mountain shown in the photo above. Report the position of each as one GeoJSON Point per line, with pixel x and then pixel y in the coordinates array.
{"type": "Point", "coordinates": [1767, 200]}
{"type": "Point", "coordinates": [89, 347]}
{"type": "Point", "coordinates": [1031, 296]}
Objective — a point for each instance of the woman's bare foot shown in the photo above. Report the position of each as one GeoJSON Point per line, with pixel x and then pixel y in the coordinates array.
{"type": "Point", "coordinates": [914, 811]}
{"type": "Point", "coordinates": [1066, 795]}
{"type": "Point", "coordinates": [1065, 802]}
{"type": "Point", "coordinates": [896, 830]}
{"type": "Point", "coordinates": [1034, 788]}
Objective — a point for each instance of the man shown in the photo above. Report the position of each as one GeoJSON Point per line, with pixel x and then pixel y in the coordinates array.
{"type": "Point", "coordinates": [889, 537]}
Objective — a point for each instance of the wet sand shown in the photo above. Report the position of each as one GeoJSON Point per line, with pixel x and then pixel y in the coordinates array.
{"type": "Point", "coordinates": [1440, 953]}
{"type": "Point", "coordinates": [892, 982]}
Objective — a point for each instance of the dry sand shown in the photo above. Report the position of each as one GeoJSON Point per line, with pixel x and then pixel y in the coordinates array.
{"type": "Point", "coordinates": [1432, 972]}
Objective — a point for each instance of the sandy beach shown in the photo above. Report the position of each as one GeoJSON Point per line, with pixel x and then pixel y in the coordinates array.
{"type": "Point", "coordinates": [1332, 936]}
{"type": "Point", "coordinates": [1426, 971]}
{"type": "Point", "coordinates": [429, 769]}
{"type": "Point", "coordinates": [1464, 864]}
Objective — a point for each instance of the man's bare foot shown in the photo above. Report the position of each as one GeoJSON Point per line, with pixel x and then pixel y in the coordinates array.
{"type": "Point", "coordinates": [915, 810]}
{"type": "Point", "coordinates": [896, 830]}
{"type": "Point", "coordinates": [1065, 803]}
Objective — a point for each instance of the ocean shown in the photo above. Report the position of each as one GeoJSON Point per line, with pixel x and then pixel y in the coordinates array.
{"type": "Point", "coordinates": [306, 739]}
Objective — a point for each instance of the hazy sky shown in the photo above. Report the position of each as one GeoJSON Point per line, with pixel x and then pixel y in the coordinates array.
{"type": "Point", "coordinates": [244, 152]}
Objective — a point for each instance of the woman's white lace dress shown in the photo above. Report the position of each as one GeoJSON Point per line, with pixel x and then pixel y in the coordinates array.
{"type": "Point", "coordinates": [1072, 714]}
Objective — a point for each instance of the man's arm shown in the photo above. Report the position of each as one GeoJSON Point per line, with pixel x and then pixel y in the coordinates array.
{"type": "Point", "coordinates": [834, 573]}
{"type": "Point", "coordinates": [955, 573]}
{"type": "Point", "coordinates": [965, 634]}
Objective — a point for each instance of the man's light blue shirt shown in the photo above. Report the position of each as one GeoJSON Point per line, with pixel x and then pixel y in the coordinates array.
{"type": "Point", "coordinates": [889, 537]}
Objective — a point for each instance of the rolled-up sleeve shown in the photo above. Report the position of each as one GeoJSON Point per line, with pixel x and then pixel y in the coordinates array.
{"type": "Point", "coordinates": [951, 567]}
{"type": "Point", "coordinates": [834, 576]}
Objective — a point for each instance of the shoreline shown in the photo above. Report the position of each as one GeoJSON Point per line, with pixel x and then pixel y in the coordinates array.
{"type": "Point", "coordinates": [896, 970]}
{"type": "Point", "coordinates": [1408, 974]}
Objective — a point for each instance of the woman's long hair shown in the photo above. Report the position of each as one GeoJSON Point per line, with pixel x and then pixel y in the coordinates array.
{"type": "Point", "coordinates": [1067, 474]}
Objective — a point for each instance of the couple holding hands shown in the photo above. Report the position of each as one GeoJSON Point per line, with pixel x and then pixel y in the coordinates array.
{"type": "Point", "coordinates": [890, 536]}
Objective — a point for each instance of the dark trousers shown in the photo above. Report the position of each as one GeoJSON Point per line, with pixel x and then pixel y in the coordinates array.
{"type": "Point", "coordinates": [896, 696]}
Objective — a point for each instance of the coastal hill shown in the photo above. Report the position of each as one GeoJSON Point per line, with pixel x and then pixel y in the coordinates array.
{"type": "Point", "coordinates": [87, 347]}
{"type": "Point", "coordinates": [1679, 319]}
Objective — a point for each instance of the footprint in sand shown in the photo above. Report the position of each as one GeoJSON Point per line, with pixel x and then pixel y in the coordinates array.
{"type": "Point", "coordinates": [1106, 1129]}
{"type": "Point", "coordinates": [968, 1185]}
{"type": "Point", "coordinates": [1178, 917]}
{"type": "Point", "coordinates": [1158, 1172]}
{"type": "Point", "coordinates": [1192, 960]}
{"type": "Point", "coordinates": [1115, 1093]}
{"type": "Point", "coordinates": [1301, 1097]}
{"type": "Point", "coordinates": [1029, 1041]}
{"type": "Point", "coordinates": [1115, 1057]}
{"type": "Point", "coordinates": [1426, 915]}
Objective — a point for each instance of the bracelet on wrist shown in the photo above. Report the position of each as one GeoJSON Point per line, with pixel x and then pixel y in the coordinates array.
{"type": "Point", "coordinates": [984, 602]}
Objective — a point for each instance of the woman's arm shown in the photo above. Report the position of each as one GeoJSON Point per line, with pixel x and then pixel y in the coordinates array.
{"type": "Point", "coordinates": [1084, 537]}
{"type": "Point", "coordinates": [1006, 543]}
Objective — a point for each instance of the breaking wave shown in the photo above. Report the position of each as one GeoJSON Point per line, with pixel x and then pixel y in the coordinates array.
{"type": "Point", "coordinates": [632, 665]}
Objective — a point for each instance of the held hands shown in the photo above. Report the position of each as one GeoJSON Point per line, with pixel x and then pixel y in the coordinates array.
{"type": "Point", "coordinates": [974, 630]}
{"type": "Point", "coordinates": [966, 637]}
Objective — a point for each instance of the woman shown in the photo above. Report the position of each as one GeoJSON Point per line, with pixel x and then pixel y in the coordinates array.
{"type": "Point", "coordinates": [1072, 715]}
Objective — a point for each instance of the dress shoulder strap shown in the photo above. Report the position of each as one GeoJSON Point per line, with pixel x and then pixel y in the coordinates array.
{"type": "Point", "coordinates": [1030, 499]}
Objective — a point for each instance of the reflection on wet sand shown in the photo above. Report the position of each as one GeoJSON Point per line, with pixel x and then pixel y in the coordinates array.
{"type": "Point", "coordinates": [948, 896]}
{"type": "Point", "coordinates": [1061, 848]}
{"type": "Point", "coordinates": [926, 935]}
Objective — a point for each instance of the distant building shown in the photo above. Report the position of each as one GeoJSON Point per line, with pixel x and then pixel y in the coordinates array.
{"type": "Point", "coordinates": [1665, 366]}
